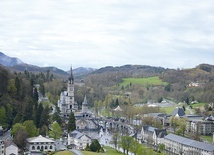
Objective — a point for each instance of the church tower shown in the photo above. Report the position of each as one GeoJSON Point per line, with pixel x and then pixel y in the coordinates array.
{"type": "Point", "coordinates": [70, 92]}
{"type": "Point", "coordinates": [84, 105]}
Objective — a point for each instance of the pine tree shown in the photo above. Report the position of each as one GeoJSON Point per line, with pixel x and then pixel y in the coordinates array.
{"type": "Point", "coordinates": [71, 122]}
{"type": "Point", "coordinates": [44, 117]}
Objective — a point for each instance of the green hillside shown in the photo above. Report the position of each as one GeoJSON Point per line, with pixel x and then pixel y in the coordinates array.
{"type": "Point", "coordinates": [152, 81]}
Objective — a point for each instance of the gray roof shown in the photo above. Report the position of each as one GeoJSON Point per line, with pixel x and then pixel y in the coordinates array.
{"type": "Point", "coordinates": [161, 133]}
{"type": "Point", "coordinates": [76, 134]}
{"type": "Point", "coordinates": [179, 111]}
{"type": "Point", "coordinates": [190, 142]}
{"type": "Point", "coordinates": [147, 128]}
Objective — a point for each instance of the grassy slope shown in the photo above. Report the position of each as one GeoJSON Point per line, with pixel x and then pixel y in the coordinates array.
{"type": "Point", "coordinates": [64, 153]}
{"type": "Point", "coordinates": [109, 151]}
{"type": "Point", "coordinates": [143, 81]}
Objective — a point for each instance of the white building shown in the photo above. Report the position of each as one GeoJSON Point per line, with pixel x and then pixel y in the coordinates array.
{"type": "Point", "coordinates": [1, 147]}
{"type": "Point", "coordinates": [40, 143]}
{"type": "Point", "coordinates": [180, 145]}
{"type": "Point", "coordinates": [152, 135]}
{"type": "Point", "coordinates": [66, 102]}
{"type": "Point", "coordinates": [78, 140]}
{"type": "Point", "coordinates": [11, 148]}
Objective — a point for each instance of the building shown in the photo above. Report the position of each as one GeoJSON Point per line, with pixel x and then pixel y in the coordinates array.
{"type": "Point", "coordinates": [152, 135]}
{"type": "Point", "coordinates": [66, 102]}
{"type": "Point", "coordinates": [180, 145]}
{"type": "Point", "coordinates": [1, 147]}
{"type": "Point", "coordinates": [203, 127]}
{"type": "Point", "coordinates": [11, 148]}
{"type": "Point", "coordinates": [178, 112]}
{"type": "Point", "coordinates": [158, 136]}
{"type": "Point", "coordinates": [78, 140]}
{"type": "Point", "coordinates": [40, 143]}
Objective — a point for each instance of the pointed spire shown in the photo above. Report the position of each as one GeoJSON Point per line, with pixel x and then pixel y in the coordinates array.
{"type": "Point", "coordinates": [85, 101]}
{"type": "Point", "coordinates": [71, 77]}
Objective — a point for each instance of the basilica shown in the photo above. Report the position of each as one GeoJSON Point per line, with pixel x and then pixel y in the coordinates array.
{"type": "Point", "coordinates": [67, 104]}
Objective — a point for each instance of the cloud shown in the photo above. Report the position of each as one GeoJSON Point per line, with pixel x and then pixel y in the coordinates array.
{"type": "Point", "coordinates": [98, 33]}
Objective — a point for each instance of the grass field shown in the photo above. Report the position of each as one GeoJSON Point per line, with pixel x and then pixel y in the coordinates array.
{"type": "Point", "coordinates": [198, 105]}
{"type": "Point", "coordinates": [109, 151]}
{"type": "Point", "coordinates": [154, 81]}
{"type": "Point", "coordinates": [64, 153]}
{"type": "Point", "coordinates": [207, 138]}
{"type": "Point", "coordinates": [167, 110]}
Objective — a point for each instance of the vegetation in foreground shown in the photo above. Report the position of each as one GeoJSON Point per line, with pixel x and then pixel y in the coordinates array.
{"type": "Point", "coordinates": [109, 151]}
{"type": "Point", "coordinates": [64, 153]}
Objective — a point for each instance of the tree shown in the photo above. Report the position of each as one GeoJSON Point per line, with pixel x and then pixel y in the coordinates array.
{"type": "Point", "coordinates": [95, 146]}
{"type": "Point", "coordinates": [55, 131]}
{"type": "Point", "coordinates": [57, 118]}
{"type": "Point", "coordinates": [182, 125]}
{"type": "Point", "coordinates": [126, 143]}
{"type": "Point", "coordinates": [134, 146]}
{"type": "Point", "coordinates": [38, 115]}
{"type": "Point", "coordinates": [42, 88]}
{"type": "Point", "coordinates": [2, 116]}
{"type": "Point", "coordinates": [30, 128]}
{"type": "Point", "coordinates": [174, 123]}
{"type": "Point", "coordinates": [44, 117]}
{"type": "Point", "coordinates": [28, 109]}
{"type": "Point", "coordinates": [161, 147]}
{"type": "Point", "coordinates": [115, 139]}
{"type": "Point", "coordinates": [20, 135]}
{"type": "Point", "coordinates": [43, 130]}
{"type": "Point", "coordinates": [20, 138]}
{"type": "Point", "coordinates": [71, 122]}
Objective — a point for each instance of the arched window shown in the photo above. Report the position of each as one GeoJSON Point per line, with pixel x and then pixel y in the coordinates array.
{"type": "Point", "coordinates": [38, 148]}
{"type": "Point", "coordinates": [51, 147]}
{"type": "Point", "coordinates": [33, 147]}
{"type": "Point", "coordinates": [46, 147]}
{"type": "Point", "coordinates": [42, 148]}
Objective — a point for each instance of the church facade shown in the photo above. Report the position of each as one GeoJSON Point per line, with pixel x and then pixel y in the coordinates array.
{"type": "Point", "coordinates": [66, 102]}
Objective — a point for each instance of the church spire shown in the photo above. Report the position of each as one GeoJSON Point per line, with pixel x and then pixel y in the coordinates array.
{"type": "Point", "coordinates": [85, 101]}
{"type": "Point", "coordinates": [71, 77]}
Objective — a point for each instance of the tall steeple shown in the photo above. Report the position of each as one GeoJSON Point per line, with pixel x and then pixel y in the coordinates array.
{"type": "Point", "coordinates": [70, 92]}
{"type": "Point", "coordinates": [85, 105]}
{"type": "Point", "coordinates": [71, 77]}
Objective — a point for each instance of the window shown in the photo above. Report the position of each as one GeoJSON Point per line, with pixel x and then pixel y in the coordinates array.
{"type": "Point", "coordinates": [51, 147]}
{"type": "Point", "coordinates": [33, 147]}
{"type": "Point", "coordinates": [38, 148]}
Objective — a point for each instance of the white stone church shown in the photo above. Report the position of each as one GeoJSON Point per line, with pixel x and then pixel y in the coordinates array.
{"type": "Point", "coordinates": [66, 102]}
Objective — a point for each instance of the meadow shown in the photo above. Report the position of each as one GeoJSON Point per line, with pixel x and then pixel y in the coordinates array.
{"type": "Point", "coordinates": [152, 81]}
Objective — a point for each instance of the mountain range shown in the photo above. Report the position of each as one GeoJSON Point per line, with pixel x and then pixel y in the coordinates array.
{"type": "Point", "coordinates": [15, 64]}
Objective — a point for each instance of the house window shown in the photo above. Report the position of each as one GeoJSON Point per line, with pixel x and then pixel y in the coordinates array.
{"type": "Point", "coordinates": [51, 147]}
{"type": "Point", "coordinates": [33, 147]}
{"type": "Point", "coordinates": [46, 147]}
{"type": "Point", "coordinates": [38, 148]}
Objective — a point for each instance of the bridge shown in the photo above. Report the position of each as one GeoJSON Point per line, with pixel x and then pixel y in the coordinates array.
{"type": "Point", "coordinates": [114, 124]}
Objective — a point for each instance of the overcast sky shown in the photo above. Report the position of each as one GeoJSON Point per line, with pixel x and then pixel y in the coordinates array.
{"type": "Point", "coordinates": [98, 33]}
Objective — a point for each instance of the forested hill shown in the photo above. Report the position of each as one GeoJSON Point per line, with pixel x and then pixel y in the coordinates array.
{"type": "Point", "coordinates": [109, 76]}
{"type": "Point", "coordinates": [182, 84]}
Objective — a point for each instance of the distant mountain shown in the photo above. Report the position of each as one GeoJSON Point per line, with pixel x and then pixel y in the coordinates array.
{"type": "Point", "coordinates": [9, 61]}
{"type": "Point", "coordinates": [82, 71]}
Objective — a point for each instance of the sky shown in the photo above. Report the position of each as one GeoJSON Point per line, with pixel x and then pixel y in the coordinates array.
{"type": "Point", "coordinates": [99, 33]}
